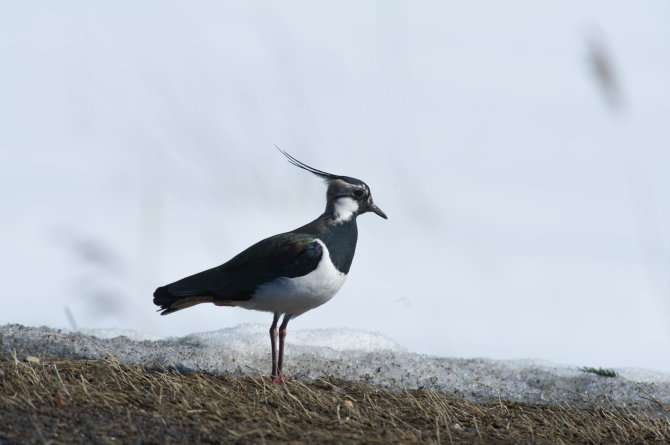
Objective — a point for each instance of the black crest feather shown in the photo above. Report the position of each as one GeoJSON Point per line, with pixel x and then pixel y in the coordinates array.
{"type": "Point", "coordinates": [315, 171]}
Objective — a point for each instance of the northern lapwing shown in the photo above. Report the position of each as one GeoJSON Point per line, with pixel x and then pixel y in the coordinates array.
{"type": "Point", "coordinates": [286, 274]}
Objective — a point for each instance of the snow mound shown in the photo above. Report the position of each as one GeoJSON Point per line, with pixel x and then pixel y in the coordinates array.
{"type": "Point", "coordinates": [350, 355]}
{"type": "Point", "coordinates": [107, 333]}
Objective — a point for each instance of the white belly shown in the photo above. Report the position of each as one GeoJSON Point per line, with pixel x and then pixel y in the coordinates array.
{"type": "Point", "coordinates": [300, 294]}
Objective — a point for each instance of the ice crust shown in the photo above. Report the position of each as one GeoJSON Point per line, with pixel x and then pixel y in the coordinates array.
{"type": "Point", "coordinates": [350, 355]}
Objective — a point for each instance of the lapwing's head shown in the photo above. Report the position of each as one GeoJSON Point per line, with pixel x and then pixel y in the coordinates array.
{"type": "Point", "coordinates": [347, 197]}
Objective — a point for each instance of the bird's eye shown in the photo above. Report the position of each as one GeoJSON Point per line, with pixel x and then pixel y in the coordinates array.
{"type": "Point", "coordinates": [358, 193]}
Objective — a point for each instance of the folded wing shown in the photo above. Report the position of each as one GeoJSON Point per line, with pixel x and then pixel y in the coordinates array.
{"type": "Point", "coordinates": [285, 255]}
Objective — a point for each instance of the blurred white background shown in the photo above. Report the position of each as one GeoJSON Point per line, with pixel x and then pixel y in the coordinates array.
{"type": "Point", "coordinates": [521, 151]}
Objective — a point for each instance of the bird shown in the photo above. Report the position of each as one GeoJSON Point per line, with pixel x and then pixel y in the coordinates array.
{"type": "Point", "coordinates": [286, 274]}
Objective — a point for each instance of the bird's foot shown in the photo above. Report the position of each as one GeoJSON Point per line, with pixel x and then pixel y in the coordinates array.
{"type": "Point", "coordinates": [280, 379]}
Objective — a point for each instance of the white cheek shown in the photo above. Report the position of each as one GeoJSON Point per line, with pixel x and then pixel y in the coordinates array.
{"type": "Point", "coordinates": [344, 209]}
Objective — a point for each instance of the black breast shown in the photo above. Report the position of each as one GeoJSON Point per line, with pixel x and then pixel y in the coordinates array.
{"type": "Point", "coordinates": [341, 243]}
{"type": "Point", "coordinates": [340, 239]}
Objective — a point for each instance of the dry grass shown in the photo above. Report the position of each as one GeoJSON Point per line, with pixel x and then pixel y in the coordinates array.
{"type": "Point", "coordinates": [106, 401]}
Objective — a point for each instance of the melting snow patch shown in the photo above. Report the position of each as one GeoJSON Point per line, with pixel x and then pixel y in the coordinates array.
{"type": "Point", "coordinates": [350, 355]}
{"type": "Point", "coordinates": [107, 333]}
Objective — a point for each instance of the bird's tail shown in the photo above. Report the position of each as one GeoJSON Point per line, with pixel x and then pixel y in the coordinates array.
{"type": "Point", "coordinates": [166, 300]}
{"type": "Point", "coordinates": [186, 292]}
{"type": "Point", "coordinates": [208, 286]}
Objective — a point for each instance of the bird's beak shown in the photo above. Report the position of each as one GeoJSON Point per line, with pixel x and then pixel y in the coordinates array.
{"type": "Point", "coordinates": [373, 208]}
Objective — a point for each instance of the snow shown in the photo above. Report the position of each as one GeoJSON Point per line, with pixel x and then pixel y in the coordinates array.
{"type": "Point", "coordinates": [351, 355]}
{"type": "Point", "coordinates": [107, 333]}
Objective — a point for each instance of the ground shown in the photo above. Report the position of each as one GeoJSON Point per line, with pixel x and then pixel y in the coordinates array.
{"type": "Point", "coordinates": [106, 401]}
